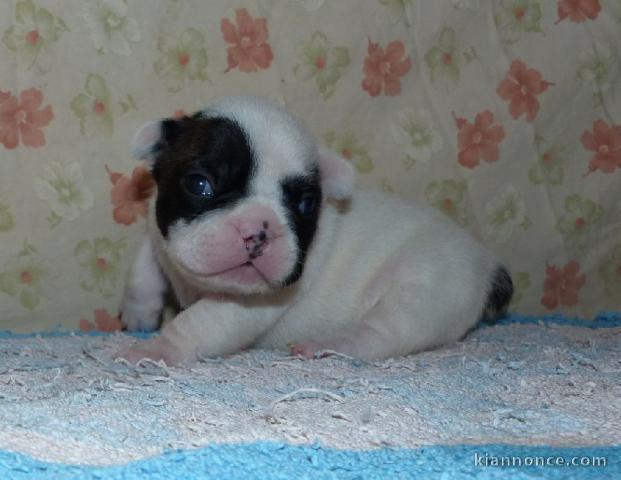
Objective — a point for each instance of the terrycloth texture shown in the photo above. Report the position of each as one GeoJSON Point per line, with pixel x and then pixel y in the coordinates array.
{"type": "Point", "coordinates": [62, 399]}
{"type": "Point", "coordinates": [491, 110]}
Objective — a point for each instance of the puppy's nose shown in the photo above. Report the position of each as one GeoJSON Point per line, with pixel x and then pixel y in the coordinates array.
{"type": "Point", "coordinates": [255, 244]}
{"type": "Point", "coordinates": [257, 225]}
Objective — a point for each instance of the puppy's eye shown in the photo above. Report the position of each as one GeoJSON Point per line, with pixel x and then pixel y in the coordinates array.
{"type": "Point", "coordinates": [198, 185]}
{"type": "Point", "coordinates": [307, 204]}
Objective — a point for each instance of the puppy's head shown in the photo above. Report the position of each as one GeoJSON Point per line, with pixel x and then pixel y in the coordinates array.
{"type": "Point", "coordinates": [240, 187]}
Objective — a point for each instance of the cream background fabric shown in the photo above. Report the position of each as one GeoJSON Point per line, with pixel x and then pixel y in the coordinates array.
{"type": "Point", "coordinates": [504, 114]}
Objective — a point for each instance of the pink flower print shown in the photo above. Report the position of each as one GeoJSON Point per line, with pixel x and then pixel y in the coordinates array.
{"type": "Point", "coordinates": [605, 142]}
{"type": "Point", "coordinates": [130, 196]}
{"type": "Point", "coordinates": [479, 140]}
{"type": "Point", "coordinates": [23, 119]}
{"type": "Point", "coordinates": [521, 88]}
{"type": "Point", "coordinates": [383, 69]}
{"type": "Point", "coordinates": [561, 285]}
{"type": "Point", "coordinates": [104, 322]}
{"type": "Point", "coordinates": [577, 10]}
{"type": "Point", "coordinates": [249, 48]}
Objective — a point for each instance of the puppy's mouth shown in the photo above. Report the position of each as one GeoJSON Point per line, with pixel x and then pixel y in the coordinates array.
{"type": "Point", "coordinates": [218, 272]}
{"type": "Point", "coordinates": [241, 270]}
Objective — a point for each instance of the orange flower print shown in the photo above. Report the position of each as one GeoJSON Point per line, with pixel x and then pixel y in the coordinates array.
{"type": "Point", "coordinates": [521, 88]}
{"type": "Point", "coordinates": [561, 285]}
{"type": "Point", "coordinates": [479, 140]}
{"type": "Point", "coordinates": [104, 322]}
{"type": "Point", "coordinates": [605, 142]}
{"type": "Point", "coordinates": [383, 69]}
{"type": "Point", "coordinates": [130, 196]}
{"type": "Point", "coordinates": [249, 48]}
{"type": "Point", "coordinates": [577, 10]}
{"type": "Point", "coordinates": [23, 119]}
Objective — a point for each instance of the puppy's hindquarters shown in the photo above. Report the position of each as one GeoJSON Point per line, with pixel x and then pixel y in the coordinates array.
{"type": "Point", "coordinates": [421, 297]}
{"type": "Point", "coordinates": [145, 288]}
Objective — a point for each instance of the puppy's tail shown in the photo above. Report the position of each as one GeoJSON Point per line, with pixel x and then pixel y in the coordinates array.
{"type": "Point", "coordinates": [499, 295]}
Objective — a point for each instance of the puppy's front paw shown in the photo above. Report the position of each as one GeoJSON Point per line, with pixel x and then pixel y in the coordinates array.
{"type": "Point", "coordinates": [156, 349]}
{"type": "Point", "coordinates": [138, 317]}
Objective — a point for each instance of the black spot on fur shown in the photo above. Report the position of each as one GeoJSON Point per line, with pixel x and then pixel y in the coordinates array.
{"type": "Point", "coordinates": [303, 226]}
{"type": "Point", "coordinates": [216, 148]}
{"type": "Point", "coordinates": [499, 296]}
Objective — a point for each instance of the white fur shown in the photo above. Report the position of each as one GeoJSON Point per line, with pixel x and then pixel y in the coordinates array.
{"type": "Point", "coordinates": [386, 278]}
{"type": "Point", "coordinates": [144, 291]}
{"type": "Point", "coordinates": [383, 277]}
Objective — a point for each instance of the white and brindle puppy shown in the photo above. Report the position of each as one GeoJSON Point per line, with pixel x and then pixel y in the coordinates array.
{"type": "Point", "coordinates": [266, 243]}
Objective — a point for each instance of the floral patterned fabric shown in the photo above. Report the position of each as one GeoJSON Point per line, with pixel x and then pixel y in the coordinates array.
{"type": "Point", "coordinates": [505, 115]}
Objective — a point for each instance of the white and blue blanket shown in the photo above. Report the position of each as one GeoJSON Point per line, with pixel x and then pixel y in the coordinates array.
{"type": "Point", "coordinates": [526, 398]}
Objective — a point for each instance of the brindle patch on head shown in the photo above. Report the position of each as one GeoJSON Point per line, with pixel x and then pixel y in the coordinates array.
{"type": "Point", "coordinates": [216, 148]}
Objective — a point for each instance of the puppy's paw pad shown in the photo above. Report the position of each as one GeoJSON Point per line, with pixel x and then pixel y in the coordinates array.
{"type": "Point", "coordinates": [307, 349]}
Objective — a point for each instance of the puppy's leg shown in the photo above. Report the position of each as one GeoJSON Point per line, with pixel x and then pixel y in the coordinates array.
{"type": "Point", "coordinates": [381, 328]}
{"type": "Point", "coordinates": [417, 309]}
{"type": "Point", "coordinates": [379, 336]}
{"type": "Point", "coordinates": [207, 328]}
{"type": "Point", "coordinates": [387, 330]}
{"type": "Point", "coordinates": [145, 286]}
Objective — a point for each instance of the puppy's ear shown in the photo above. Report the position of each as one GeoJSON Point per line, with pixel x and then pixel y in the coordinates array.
{"type": "Point", "coordinates": [153, 137]}
{"type": "Point", "coordinates": [337, 175]}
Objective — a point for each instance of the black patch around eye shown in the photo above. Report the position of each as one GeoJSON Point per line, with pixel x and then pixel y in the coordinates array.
{"type": "Point", "coordinates": [302, 197]}
{"type": "Point", "coordinates": [214, 148]}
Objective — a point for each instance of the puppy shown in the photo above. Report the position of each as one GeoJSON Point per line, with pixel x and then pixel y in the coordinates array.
{"type": "Point", "coordinates": [264, 241]}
